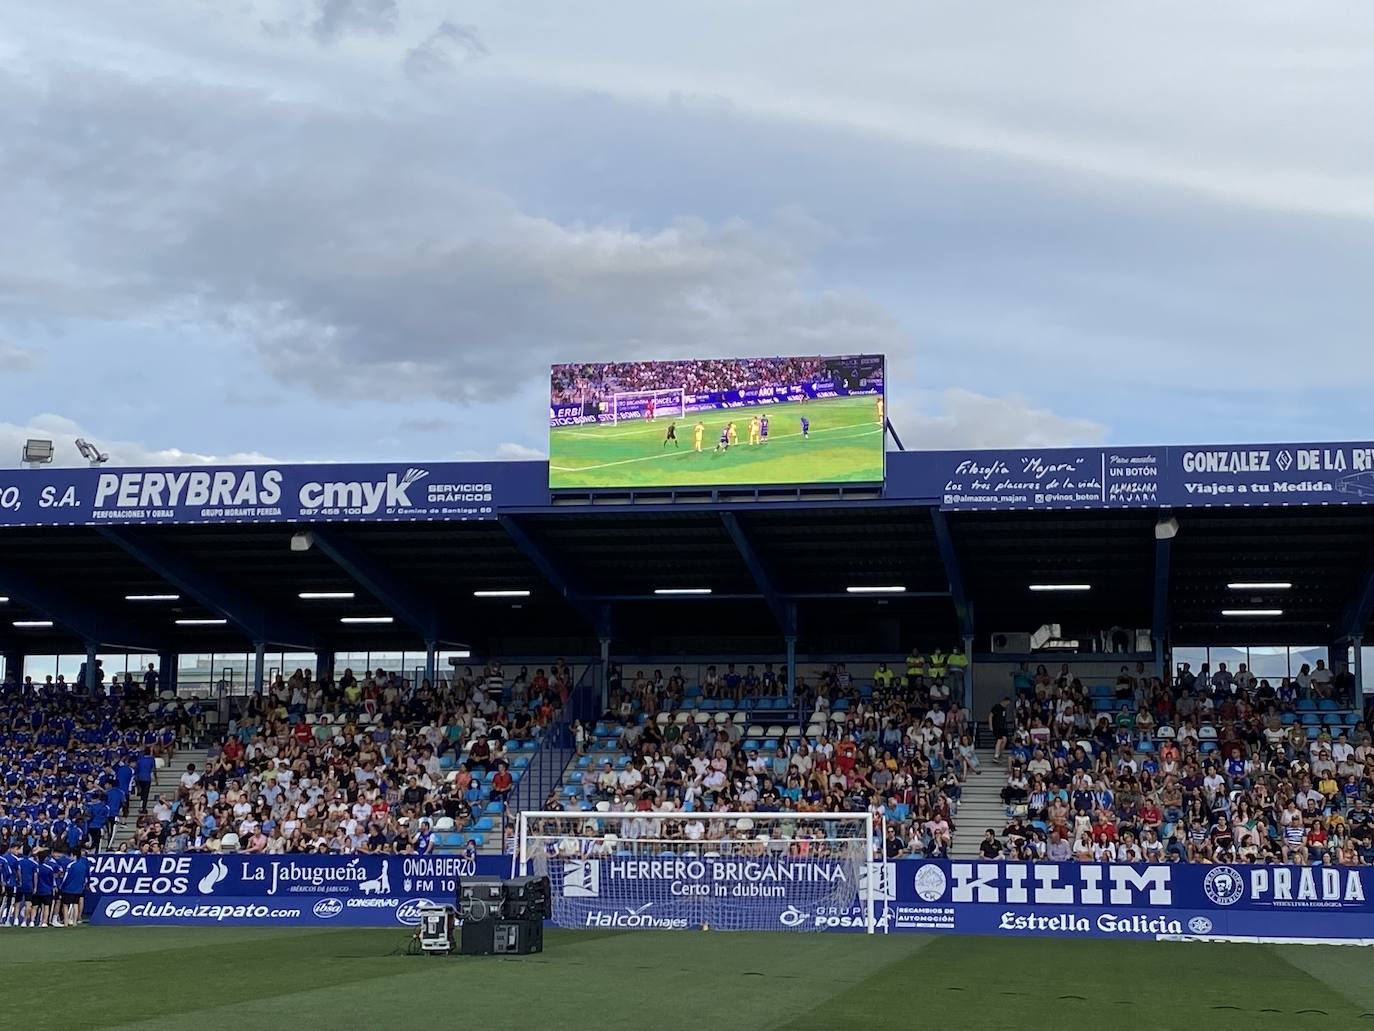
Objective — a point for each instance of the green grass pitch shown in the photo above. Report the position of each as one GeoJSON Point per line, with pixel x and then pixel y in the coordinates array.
{"type": "Point", "coordinates": [845, 446]}
{"type": "Point", "coordinates": [205, 979]}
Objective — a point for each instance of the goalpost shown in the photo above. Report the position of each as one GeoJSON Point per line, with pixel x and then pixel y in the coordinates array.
{"type": "Point", "coordinates": [634, 404]}
{"type": "Point", "coordinates": [721, 871]}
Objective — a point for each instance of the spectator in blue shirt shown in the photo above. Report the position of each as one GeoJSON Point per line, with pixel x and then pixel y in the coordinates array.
{"type": "Point", "coordinates": [73, 889]}
{"type": "Point", "coordinates": [9, 864]}
{"type": "Point", "coordinates": [124, 779]}
{"type": "Point", "coordinates": [42, 896]}
{"type": "Point", "coordinates": [143, 776]}
{"type": "Point", "coordinates": [26, 884]}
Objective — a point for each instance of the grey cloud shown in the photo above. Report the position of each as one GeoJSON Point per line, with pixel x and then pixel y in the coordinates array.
{"type": "Point", "coordinates": [958, 418]}
{"type": "Point", "coordinates": [335, 19]}
{"type": "Point", "coordinates": [14, 358]}
{"type": "Point", "coordinates": [427, 425]}
{"type": "Point", "coordinates": [360, 272]}
{"type": "Point", "coordinates": [443, 49]}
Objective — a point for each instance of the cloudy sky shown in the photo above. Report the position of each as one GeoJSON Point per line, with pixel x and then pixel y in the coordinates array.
{"type": "Point", "coordinates": [362, 229]}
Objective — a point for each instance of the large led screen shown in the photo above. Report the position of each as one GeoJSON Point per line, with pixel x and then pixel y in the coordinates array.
{"type": "Point", "coordinates": [717, 422]}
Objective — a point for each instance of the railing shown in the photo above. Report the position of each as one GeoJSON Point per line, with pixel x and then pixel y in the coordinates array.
{"type": "Point", "coordinates": [556, 747]}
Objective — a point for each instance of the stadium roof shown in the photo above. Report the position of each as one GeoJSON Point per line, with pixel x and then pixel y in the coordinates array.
{"type": "Point", "coordinates": [590, 567]}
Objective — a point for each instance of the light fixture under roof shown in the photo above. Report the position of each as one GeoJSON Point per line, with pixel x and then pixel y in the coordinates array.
{"type": "Point", "coordinates": [1241, 613]}
{"type": "Point", "coordinates": [866, 589]}
{"type": "Point", "coordinates": [32, 624]}
{"type": "Point", "coordinates": [1260, 585]}
{"type": "Point", "coordinates": [682, 590]}
{"type": "Point", "coordinates": [202, 622]}
{"type": "Point", "coordinates": [512, 593]}
{"type": "Point", "coordinates": [1061, 587]}
{"type": "Point", "coordinates": [366, 619]}
{"type": "Point", "coordinates": [326, 595]}
{"type": "Point", "coordinates": [152, 597]}
{"type": "Point", "coordinates": [4, 600]}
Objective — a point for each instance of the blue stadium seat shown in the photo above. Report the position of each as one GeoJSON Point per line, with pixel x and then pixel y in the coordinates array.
{"type": "Point", "coordinates": [1327, 704]}
{"type": "Point", "coordinates": [486, 823]}
{"type": "Point", "coordinates": [1313, 733]}
{"type": "Point", "coordinates": [1306, 705]}
{"type": "Point", "coordinates": [1351, 718]}
{"type": "Point", "coordinates": [1288, 719]}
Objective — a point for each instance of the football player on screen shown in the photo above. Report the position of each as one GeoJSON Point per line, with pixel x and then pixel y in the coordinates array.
{"type": "Point", "coordinates": [671, 438]}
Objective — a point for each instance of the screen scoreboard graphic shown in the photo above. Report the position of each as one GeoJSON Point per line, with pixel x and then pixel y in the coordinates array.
{"type": "Point", "coordinates": [717, 422]}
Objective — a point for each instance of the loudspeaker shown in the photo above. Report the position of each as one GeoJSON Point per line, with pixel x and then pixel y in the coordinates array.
{"type": "Point", "coordinates": [481, 898]}
{"type": "Point", "coordinates": [477, 938]}
{"type": "Point", "coordinates": [518, 937]}
{"type": "Point", "coordinates": [528, 898]}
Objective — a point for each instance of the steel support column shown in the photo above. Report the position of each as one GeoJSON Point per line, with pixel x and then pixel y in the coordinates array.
{"type": "Point", "coordinates": [784, 610]}
{"type": "Point", "coordinates": [1159, 619]}
{"type": "Point", "coordinates": [558, 578]}
{"type": "Point", "coordinates": [399, 599]}
{"type": "Point", "coordinates": [949, 555]}
{"type": "Point", "coordinates": [249, 618]}
{"type": "Point", "coordinates": [59, 606]}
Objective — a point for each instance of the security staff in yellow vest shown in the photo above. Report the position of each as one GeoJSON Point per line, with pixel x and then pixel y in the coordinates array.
{"type": "Point", "coordinates": [915, 668]}
{"type": "Point", "coordinates": [939, 662]}
{"type": "Point", "coordinates": [958, 671]}
{"type": "Point", "coordinates": [882, 677]}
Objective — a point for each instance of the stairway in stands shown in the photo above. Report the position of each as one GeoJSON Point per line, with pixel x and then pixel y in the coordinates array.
{"type": "Point", "coordinates": [981, 806]}
{"type": "Point", "coordinates": [166, 780]}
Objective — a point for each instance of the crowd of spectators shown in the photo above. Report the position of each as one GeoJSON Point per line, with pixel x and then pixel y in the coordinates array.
{"type": "Point", "coordinates": [1213, 766]}
{"type": "Point", "coordinates": [902, 748]}
{"type": "Point", "coordinates": [370, 763]}
{"type": "Point", "coordinates": [596, 383]}
{"type": "Point", "coordinates": [71, 760]}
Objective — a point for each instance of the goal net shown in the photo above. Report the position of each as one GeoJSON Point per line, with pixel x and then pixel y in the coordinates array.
{"type": "Point", "coordinates": [646, 404]}
{"type": "Point", "coordinates": [722, 871]}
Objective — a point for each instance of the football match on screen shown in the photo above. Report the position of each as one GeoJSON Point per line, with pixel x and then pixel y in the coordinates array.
{"type": "Point", "coordinates": [717, 422]}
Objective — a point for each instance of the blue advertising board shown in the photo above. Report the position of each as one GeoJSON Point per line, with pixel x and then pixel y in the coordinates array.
{"type": "Point", "coordinates": [1178, 477]}
{"type": "Point", "coordinates": [267, 493]}
{"type": "Point", "coordinates": [292, 890]}
{"type": "Point", "coordinates": [1003, 480]}
{"type": "Point", "coordinates": [1159, 901]}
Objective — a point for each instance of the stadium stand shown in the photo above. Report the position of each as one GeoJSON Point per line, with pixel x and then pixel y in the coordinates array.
{"type": "Point", "coordinates": [71, 764]}
{"type": "Point", "coordinates": [358, 764]}
{"type": "Point", "coordinates": [1217, 766]}
{"type": "Point", "coordinates": [1222, 767]}
{"type": "Point", "coordinates": [737, 741]}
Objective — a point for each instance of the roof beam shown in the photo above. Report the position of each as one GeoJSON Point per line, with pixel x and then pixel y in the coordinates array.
{"type": "Point", "coordinates": [91, 626]}
{"type": "Point", "coordinates": [1360, 608]}
{"type": "Point", "coordinates": [944, 542]}
{"type": "Point", "coordinates": [784, 609]}
{"type": "Point", "coordinates": [399, 599]}
{"type": "Point", "coordinates": [1159, 619]}
{"type": "Point", "coordinates": [252, 620]}
{"type": "Point", "coordinates": [597, 614]}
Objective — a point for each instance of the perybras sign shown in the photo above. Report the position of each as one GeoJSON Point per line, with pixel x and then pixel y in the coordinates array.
{"type": "Point", "coordinates": [355, 891]}
{"type": "Point", "coordinates": [264, 493]}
